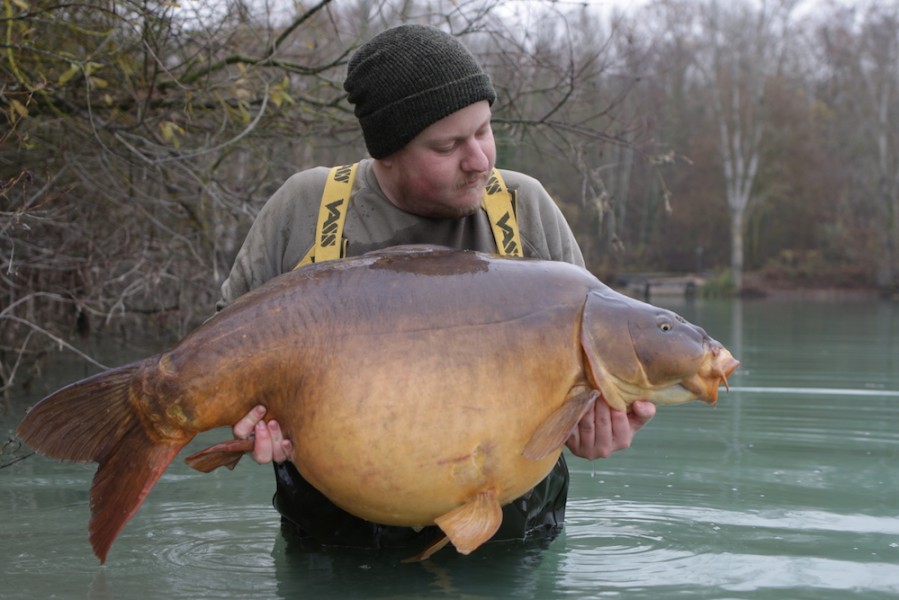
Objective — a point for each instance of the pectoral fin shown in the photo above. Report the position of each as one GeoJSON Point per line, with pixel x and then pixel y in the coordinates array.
{"type": "Point", "coordinates": [553, 432]}
{"type": "Point", "coordinates": [224, 454]}
{"type": "Point", "coordinates": [473, 523]}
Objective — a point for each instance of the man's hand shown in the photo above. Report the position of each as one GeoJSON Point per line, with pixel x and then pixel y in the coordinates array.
{"type": "Point", "coordinates": [270, 444]}
{"type": "Point", "coordinates": [603, 430]}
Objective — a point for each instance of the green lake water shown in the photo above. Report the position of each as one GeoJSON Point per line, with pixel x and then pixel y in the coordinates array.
{"type": "Point", "coordinates": [788, 488]}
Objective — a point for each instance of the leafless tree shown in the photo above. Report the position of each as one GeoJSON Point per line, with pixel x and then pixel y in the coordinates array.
{"type": "Point", "coordinates": [861, 48]}
{"type": "Point", "coordinates": [740, 49]}
{"type": "Point", "coordinates": [144, 135]}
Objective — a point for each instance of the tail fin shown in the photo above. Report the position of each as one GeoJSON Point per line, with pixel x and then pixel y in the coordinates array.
{"type": "Point", "coordinates": [95, 420]}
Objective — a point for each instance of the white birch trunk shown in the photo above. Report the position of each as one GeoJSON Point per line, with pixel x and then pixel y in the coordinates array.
{"type": "Point", "coordinates": [743, 56]}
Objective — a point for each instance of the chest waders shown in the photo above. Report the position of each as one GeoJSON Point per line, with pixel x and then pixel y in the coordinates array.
{"type": "Point", "coordinates": [498, 203]}
{"type": "Point", "coordinates": [307, 513]}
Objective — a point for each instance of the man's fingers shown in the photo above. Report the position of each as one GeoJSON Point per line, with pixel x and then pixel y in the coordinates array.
{"type": "Point", "coordinates": [586, 427]}
{"type": "Point", "coordinates": [603, 431]}
{"type": "Point", "coordinates": [243, 429]}
{"type": "Point", "coordinates": [286, 451]}
{"type": "Point", "coordinates": [622, 434]}
{"type": "Point", "coordinates": [269, 443]}
{"type": "Point", "coordinates": [278, 453]}
{"type": "Point", "coordinates": [642, 411]}
{"type": "Point", "coordinates": [591, 437]}
{"type": "Point", "coordinates": [262, 450]}
{"type": "Point", "coordinates": [619, 424]}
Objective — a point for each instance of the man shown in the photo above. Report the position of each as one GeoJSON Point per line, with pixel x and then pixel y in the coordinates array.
{"type": "Point", "coordinates": [424, 105]}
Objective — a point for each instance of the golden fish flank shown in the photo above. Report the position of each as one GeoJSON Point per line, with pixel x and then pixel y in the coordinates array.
{"type": "Point", "coordinates": [377, 388]}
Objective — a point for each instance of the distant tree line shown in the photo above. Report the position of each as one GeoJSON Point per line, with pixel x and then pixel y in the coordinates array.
{"type": "Point", "coordinates": [142, 137]}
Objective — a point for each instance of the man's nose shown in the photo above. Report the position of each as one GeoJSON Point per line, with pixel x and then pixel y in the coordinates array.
{"type": "Point", "coordinates": [475, 159]}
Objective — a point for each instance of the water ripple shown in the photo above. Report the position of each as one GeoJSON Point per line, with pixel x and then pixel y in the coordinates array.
{"type": "Point", "coordinates": [817, 391]}
{"type": "Point", "coordinates": [222, 548]}
{"type": "Point", "coordinates": [637, 545]}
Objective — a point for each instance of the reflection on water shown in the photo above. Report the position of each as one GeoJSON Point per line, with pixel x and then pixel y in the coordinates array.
{"type": "Point", "coordinates": [514, 567]}
{"type": "Point", "coordinates": [786, 489]}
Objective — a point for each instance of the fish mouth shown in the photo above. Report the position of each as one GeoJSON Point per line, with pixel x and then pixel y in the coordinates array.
{"type": "Point", "coordinates": [712, 374]}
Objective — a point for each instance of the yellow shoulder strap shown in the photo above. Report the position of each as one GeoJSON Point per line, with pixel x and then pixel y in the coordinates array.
{"type": "Point", "coordinates": [329, 243]}
{"type": "Point", "coordinates": [501, 213]}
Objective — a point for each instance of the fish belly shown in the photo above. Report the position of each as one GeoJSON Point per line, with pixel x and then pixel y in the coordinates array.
{"type": "Point", "coordinates": [406, 433]}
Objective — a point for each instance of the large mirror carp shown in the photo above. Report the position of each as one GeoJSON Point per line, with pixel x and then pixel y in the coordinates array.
{"type": "Point", "coordinates": [419, 385]}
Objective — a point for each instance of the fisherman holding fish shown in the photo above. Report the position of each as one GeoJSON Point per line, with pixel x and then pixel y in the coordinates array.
{"type": "Point", "coordinates": [424, 392]}
{"type": "Point", "coordinates": [424, 106]}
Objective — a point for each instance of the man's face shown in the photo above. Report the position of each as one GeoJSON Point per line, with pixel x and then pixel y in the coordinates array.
{"type": "Point", "coordinates": [442, 172]}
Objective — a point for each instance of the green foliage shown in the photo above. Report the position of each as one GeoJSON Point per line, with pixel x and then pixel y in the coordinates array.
{"type": "Point", "coordinates": [721, 285]}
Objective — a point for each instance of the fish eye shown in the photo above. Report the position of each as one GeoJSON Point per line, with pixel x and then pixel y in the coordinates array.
{"type": "Point", "coordinates": [666, 326]}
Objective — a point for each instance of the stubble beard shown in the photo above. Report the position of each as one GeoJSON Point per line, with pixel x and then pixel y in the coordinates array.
{"type": "Point", "coordinates": [472, 187]}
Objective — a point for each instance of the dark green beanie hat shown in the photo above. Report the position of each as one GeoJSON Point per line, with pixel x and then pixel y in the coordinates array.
{"type": "Point", "coordinates": [407, 78]}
